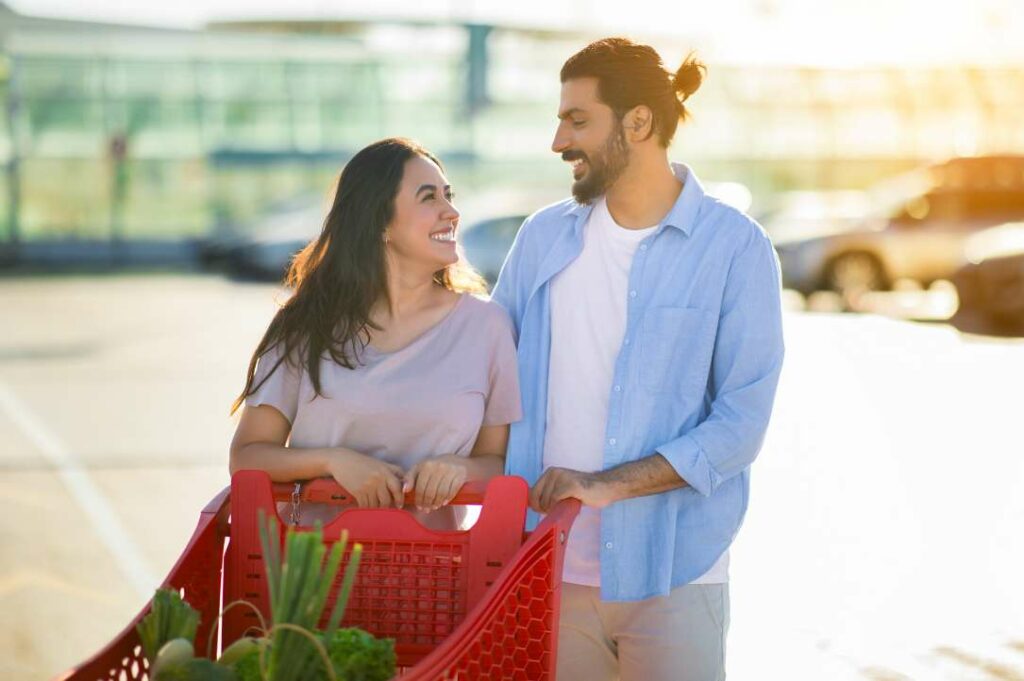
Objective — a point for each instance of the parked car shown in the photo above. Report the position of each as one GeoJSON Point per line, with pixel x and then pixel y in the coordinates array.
{"type": "Point", "coordinates": [487, 242]}
{"type": "Point", "coordinates": [264, 249]}
{"type": "Point", "coordinates": [991, 283]}
{"type": "Point", "coordinates": [916, 228]}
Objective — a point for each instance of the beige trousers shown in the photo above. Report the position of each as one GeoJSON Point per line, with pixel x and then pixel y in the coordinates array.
{"type": "Point", "coordinates": [679, 637]}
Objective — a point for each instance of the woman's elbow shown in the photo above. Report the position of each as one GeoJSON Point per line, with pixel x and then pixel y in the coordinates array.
{"type": "Point", "coordinates": [236, 459]}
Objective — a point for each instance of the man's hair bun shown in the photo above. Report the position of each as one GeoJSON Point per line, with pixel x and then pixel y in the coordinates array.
{"type": "Point", "coordinates": [689, 76]}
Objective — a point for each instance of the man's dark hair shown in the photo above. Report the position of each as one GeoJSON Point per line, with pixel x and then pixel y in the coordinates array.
{"type": "Point", "coordinates": [630, 74]}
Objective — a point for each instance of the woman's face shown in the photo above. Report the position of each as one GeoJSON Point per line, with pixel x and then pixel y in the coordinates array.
{"type": "Point", "coordinates": [423, 228]}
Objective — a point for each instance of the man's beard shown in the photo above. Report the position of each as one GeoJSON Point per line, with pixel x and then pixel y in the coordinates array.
{"type": "Point", "coordinates": [603, 170]}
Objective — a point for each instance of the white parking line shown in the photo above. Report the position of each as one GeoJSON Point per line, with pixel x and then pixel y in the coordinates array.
{"type": "Point", "coordinates": [85, 492]}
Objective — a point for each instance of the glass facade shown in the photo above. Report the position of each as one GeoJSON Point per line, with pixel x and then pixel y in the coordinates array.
{"type": "Point", "coordinates": [182, 135]}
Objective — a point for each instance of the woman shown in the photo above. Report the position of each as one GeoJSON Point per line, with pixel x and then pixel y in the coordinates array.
{"type": "Point", "coordinates": [382, 370]}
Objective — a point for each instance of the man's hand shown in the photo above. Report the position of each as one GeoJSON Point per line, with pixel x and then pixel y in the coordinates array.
{"type": "Point", "coordinates": [562, 483]}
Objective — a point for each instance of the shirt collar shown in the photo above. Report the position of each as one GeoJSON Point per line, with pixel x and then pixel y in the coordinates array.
{"type": "Point", "coordinates": [684, 212]}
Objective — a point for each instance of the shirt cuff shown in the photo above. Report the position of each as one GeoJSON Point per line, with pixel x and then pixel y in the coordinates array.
{"type": "Point", "coordinates": [692, 465]}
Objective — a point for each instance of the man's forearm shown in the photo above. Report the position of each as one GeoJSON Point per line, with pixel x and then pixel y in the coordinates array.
{"type": "Point", "coordinates": [650, 475]}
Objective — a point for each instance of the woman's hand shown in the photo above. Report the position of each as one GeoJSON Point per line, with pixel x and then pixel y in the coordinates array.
{"type": "Point", "coordinates": [437, 480]}
{"type": "Point", "coordinates": [374, 483]}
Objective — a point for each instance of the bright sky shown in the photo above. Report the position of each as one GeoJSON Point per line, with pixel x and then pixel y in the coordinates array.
{"type": "Point", "coordinates": [826, 32]}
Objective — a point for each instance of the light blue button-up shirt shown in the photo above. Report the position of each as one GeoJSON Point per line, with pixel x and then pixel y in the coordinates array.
{"type": "Point", "coordinates": [695, 376]}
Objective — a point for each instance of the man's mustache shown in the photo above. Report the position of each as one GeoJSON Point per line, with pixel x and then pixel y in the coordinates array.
{"type": "Point", "coordinates": [573, 155]}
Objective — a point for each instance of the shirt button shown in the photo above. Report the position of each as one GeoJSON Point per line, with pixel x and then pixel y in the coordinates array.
{"type": "Point", "coordinates": [618, 388]}
{"type": "Point", "coordinates": [611, 441]}
{"type": "Point", "coordinates": [625, 341]}
{"type": "Point", "coordinates": [632, 294]}
{"type": "Point", "coordinates": [643, 247]}
{"type": "Point", "coordinates": [608, 545]}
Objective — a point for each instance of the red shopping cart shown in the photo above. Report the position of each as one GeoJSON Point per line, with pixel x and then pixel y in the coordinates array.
{"type": "Point", "coordinates": [475, 604]}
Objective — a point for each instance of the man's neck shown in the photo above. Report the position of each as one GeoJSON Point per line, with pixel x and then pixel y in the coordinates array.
{"type": "Point", "coordinates": [644, 194]}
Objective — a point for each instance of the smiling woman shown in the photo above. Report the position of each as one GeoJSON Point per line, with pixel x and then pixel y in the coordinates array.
{"type": "Point", "coordinates": [383, 371]}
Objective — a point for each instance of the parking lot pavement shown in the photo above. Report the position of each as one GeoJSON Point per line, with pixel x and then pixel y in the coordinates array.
{"type": "Point", "coordinates": [114, 398]}
{"type": "Point", "coordinates": [883, 536]}
{"type": "Point", "coordinates": [882, 540]}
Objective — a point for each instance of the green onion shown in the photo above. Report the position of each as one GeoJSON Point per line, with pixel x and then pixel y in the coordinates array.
{"type": "Point", "coordinates": [298, 587]}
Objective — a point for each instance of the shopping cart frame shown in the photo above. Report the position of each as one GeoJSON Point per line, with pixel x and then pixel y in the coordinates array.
{"type": "Point", "coordinates": [509, 627]}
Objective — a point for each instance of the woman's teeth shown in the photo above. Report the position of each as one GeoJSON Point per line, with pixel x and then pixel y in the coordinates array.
{"type": "Point", "coordinates": [444, 236]}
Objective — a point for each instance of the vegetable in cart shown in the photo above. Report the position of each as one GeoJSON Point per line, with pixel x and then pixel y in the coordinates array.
{"type": "Point", "coordinates": [292, 649]}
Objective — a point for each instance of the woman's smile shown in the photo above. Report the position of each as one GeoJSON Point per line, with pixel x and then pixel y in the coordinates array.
{"type": "Point", "coordinates": [444, 236]}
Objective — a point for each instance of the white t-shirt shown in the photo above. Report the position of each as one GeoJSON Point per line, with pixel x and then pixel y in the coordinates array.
{"type": "Point", "coordinates": [588, 322]}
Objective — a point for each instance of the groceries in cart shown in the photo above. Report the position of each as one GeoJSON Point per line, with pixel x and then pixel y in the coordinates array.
{"type": "Point", "coordinates": [290, 647]}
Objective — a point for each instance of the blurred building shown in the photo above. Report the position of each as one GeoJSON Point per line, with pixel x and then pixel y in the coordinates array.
{"type": "Point", "coordinates": [133, 143]}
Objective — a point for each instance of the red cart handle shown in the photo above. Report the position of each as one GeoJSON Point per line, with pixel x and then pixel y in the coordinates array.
{"type": "Point", "coordinates": [328, 491]}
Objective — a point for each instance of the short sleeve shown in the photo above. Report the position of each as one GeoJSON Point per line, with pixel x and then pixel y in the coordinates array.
{"type": "Point", "coordinates": [276, 385]}
{"type": "Point", "coordinates": [503, 404]}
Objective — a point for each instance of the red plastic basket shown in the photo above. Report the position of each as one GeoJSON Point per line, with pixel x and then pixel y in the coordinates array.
{"type": "Point", "coordinates": [475, 604]}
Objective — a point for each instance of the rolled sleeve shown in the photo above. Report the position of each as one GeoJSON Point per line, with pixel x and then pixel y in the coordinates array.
{"type": "Point", "coordinates": [745, 369]}
{"type": "Point", "coordinates": [691, 463]}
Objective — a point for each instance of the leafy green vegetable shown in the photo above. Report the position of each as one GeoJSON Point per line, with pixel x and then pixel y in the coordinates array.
{"type": "Point", "coordinates": [169, 618]}
{"type": "Point", "coordinates": [358, 656]}
{"type": "Point", "coordinates": [355, 656]}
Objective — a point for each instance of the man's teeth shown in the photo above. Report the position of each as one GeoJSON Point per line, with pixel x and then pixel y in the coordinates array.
{"type": "Point", "coordinates": [444, 236]}
{"type": "Point", "coordinates": [577, 163]}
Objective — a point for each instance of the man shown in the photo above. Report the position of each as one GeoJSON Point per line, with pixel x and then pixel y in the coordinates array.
{"type": "Point", "coordinates": [650, 345]}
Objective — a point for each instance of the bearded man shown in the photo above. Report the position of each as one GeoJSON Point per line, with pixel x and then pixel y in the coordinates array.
{"type": "Point", "coordinates": [650, 345]}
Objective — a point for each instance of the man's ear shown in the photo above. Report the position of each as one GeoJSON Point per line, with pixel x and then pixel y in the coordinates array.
{"type": "Point", "coordinates": [638, 123]}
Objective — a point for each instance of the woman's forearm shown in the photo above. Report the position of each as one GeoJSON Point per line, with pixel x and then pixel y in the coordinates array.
{"type": "Point", "coordinates": [283, 464]}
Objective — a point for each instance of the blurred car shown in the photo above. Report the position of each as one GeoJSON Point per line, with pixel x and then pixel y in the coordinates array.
{"type": "Point", "coordinates": [915, 228]}
{"type": "Point", "coordinates": [799, 215]}
{"type": "Point", "coordinates": [264, 249]}
{"type": "Point", "coordinates": [991, 283]}
{"type": "Point", "coordinates": [486, 243]}
{"type": "Point", "coordinates": [275, 241]}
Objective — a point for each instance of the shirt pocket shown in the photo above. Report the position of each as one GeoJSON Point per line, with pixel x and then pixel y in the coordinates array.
{"type": "Point", "coordinates": [676, 345]}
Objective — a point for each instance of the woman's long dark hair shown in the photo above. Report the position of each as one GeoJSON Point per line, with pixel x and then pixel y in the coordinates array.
{"type": "Point", "coordinates": [340, 275]}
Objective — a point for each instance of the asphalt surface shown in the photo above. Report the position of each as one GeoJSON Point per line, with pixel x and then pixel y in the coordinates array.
{"type": "Point", "coordinates": [882, 540]}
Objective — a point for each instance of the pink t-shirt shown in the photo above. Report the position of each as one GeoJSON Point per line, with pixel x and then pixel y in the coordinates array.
{"type": "Point", "coordinates": [429, 398]}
